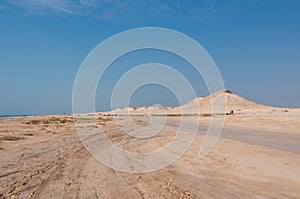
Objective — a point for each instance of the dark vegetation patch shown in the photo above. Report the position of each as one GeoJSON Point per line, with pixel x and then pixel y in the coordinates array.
{"type": "Point", "coordinates": [63, 121]}
{"type": "Point", "coordinates": [10, 138]}
{"type": "Point", "coordinates": [105, 119]}
{"type": "Point", "coordinates": [228, 91]}
{"type": "Point", "coordinates": [50, 120]}
{"type": "Point", "coordinates": [28, 134]}
{"type": "Point", "coordinates": [174, 115]}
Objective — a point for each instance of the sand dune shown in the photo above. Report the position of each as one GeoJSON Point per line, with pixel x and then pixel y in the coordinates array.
{"type": "Point", "coordinates": [221, 102]}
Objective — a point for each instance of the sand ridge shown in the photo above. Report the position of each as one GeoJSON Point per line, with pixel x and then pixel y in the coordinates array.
{"type": "Point", "coordinates": [204, 105]}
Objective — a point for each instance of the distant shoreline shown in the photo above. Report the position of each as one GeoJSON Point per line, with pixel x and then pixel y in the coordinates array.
{"type": "Point", "coordinates": [5, 117]}
{"type": "Point", "coordinates": [12, 115]}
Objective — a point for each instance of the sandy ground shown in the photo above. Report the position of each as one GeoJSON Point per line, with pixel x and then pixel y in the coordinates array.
{"type": "Point", "coordinates": [43, 157]}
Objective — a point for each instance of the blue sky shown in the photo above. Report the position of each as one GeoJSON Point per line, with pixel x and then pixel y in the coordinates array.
{"type": "Point", "coordinates": [255, 44]}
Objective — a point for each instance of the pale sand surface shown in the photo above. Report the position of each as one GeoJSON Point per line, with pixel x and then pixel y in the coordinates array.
{"type": "Point", "coordinates": [51, 162]}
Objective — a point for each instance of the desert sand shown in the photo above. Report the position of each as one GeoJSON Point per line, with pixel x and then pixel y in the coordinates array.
{"type": "Point", "coordinates": [257, 155]}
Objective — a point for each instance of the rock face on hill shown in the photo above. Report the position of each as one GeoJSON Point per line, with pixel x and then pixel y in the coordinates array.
{"type": "Point", "coordinates": [221, 102]}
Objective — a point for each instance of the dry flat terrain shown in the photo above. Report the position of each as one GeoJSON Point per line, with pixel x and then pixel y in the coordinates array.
{"type": "Point", "coordinates": [257, 156]}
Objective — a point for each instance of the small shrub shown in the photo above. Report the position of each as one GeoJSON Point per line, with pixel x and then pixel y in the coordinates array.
{"type": "Point", "coordinates": [228, 91]}
{"type": "Point", "coordinates": [106, 119]}
{"type": "Point", "coordinates": [10, 138]}
{"type": "Point", "coordinates": [174, 115]}
{"type": "Point", "coordinates": [34, 121]}
{"type": "Point", "coordinates": [63, 121]}
{"type": "Point", "coordinates": [54, 119]}
{"type": "Point", "coordinates": [28, 134]}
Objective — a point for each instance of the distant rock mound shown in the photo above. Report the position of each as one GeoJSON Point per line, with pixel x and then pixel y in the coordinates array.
{"type": "Point", "coordinates": [220, 102]}
{"type": "Point", "coordinates": [230, 101]}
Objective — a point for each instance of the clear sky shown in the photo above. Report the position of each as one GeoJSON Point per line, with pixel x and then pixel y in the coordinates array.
{"type": "Point", "coordinates": [255, 44]}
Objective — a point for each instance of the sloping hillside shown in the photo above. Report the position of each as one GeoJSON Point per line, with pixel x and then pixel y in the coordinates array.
{"type": "Point", "coordinates": [221, 102]}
